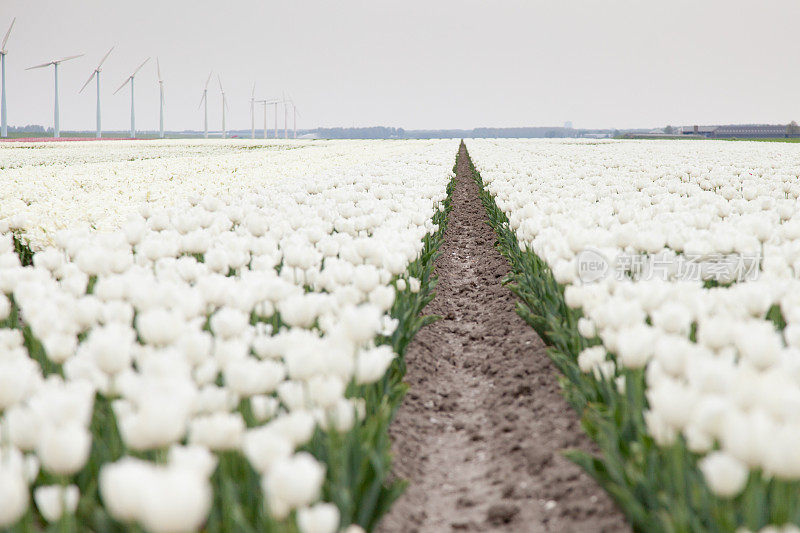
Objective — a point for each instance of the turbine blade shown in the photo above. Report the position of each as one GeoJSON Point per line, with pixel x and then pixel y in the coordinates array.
{"type": "Point", "coordinates": [104, 58]}
{"type": "Point", "coordinates": [68, 58]}
{"type": "Point", "coordinates": [5, 39]}
{"type": "Point", "coordinates": [94, 72]}
{"type": "Point", "coordinates": [209, 78]}
{"type": "Point", "coordinates": [201, 100]}
{"type": "Point", "coordinates": [139, 67]}
{"type": "Point", "coordinates": [220, 84]}
{"type": "Point", "coordinates": [158, 69]}
{"type": "Point", "coordinates": [40, 66]}
{"type": "Point", "coordinates": [253, 93]}
{"type": "Point", "coordinates": [123, 84]}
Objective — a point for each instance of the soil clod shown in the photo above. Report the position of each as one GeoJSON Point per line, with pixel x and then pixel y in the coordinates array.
{"type": "Point", "coordinates": [501, 513]}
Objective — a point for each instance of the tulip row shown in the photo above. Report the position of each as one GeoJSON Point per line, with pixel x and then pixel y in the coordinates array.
{"type": "Point", "coordinates": [689, 384]}
{"type": "Point", "coordinates": [206, 335]}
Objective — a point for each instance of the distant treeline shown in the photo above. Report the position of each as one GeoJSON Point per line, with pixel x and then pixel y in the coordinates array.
{"type": "Point", "coordinates": [382, 132]}
{"type": "Point", "coordinates": [374, 132]}
{"type": "Point", "coordinates": [29, 128]}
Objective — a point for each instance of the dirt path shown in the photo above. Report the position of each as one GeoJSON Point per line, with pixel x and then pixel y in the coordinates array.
{"type": "Point", "coordinates": [479, 434]}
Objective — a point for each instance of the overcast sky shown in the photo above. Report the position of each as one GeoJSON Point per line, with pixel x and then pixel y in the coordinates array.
{"type": "Point", "coordinates": [413, 63]}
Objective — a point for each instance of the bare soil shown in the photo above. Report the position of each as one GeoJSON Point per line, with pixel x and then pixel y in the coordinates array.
{"type": "Point", "coordinates": [480, 432]}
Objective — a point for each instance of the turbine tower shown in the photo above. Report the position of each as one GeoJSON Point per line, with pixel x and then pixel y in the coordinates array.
{"type": "Point", "coordinates": [294, 118]}
{"type": "Point", "coordinates": [224, 105]}
{"type": "Point", "coordinates": [285, 119]}
{"type": "Point", "coordinates": [253, 112]}
{"type": "Point", "coordinates": [96, 73]}
{"type": "Point", "coordinates": [264, 102]}
{"type": "Point", "coordinates": [161, 102]}
{"type": "Point", "coordinates": [275, 105]}
{"type": "Point", "coordinates": [55, 63]}
{"type": "Point", "coordinates": [204, 100]}
{"type": "Point", "coordinates": [131, 79]}
{"type": "Point", "coordinates": [3, 52]}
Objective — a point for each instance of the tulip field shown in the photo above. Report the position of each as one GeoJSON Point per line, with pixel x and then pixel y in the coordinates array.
{"type": "Point", "coordinates": [197, 335]}
{"type": "Point", "coordinates": [209, 336]}
{"type": "Point", "coordinates": [665, 277]}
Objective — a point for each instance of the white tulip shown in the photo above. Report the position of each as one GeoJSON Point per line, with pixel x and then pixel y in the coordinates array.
{"type": "Point", "coordinates": [158, 326]}
{"type": "Point", "coordinates": [5, 307]}
{"type": "Point", "coordinates": [635, 346]}
{"type": "Point", "coordinates": [342, 415]}
{"type": "Point", "coordinates": [17, 377]}
{"type": "Point", "coordinates": [217, 431]}
{"type": "Point", "coordinates": [589, 358]}
{"type": "Point", "coordinates": [297, 426]}
{"type": "Point", "coordinates": [178, 500]}
{"type": "Point", "coordinates": [212, 399]}
{"type": "Point", "coordinates": [382, 297]}
{"type": "Point", "coordinates": [586, 328]}
{"type": "Point", "coordinates": [319, 518]}
{"type": "Point", "coordinates": [249, 376]}
{"type": "Point", "coordinates": [726, 476]}
{"type": "Point", "coordinates": [263, 407]}
{"type": "Point", "coordinates": [54, 501]}
{"type": "Point", "coordinates": [372, 364]}
{"type": "Point", "coordinates": [758, 343]}
{"type": "Point", "coordinates": [228, 323]}
{"type": "Point", "coordinates": [325, 391]}
{"type": "Point", "coordinates": [658, 428]}
{"type": "Point", "coordinates": [13, 494]}
{"type": "Point", "coordinates": [121, 485]}
{"type": "Point", "coordinates": [263, 447]}
{"type": "Point", "coordinates": [195, 458]}
{"type": "Point", "coordinates": [22, 426]}
{"type": "Point", "coordinates": [64, 449]}
{"type": "Point", "coordinates": [414, 285]}
{"type": "Point", "coordinates": [296, 481]}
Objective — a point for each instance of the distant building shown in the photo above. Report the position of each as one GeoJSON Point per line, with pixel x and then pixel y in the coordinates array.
{"type": "Point", "coordinates": [743, 131]}
{"type": "Point", "coordinates": [705, 131]}
{"type": "Point", "coordinates": [750, 131]}
{"type": "Point", "coordinates": [568, 125]}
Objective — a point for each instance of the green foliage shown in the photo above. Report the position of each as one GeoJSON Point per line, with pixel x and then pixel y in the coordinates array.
{"type": "Point", "coordinates": [22, 249]}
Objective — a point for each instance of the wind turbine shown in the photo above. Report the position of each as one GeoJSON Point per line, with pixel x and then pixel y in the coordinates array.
{"type": "Point", "coordinates": [253, 112]}
{"type": "Point", "coordinates": [224, 105]}
{"type": "Point", "coordinates": [3, 52]}
{"type": "Point", "coordinates": [130, 79]}
{"type": "Point", "coordinates": [161, 102]}
{"type": "Point", "coordinates": [204, 100]}
{"type": "Point", "coordinates": [96, 73]}
{"type": "Point", "coordinates": [55, 63]}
